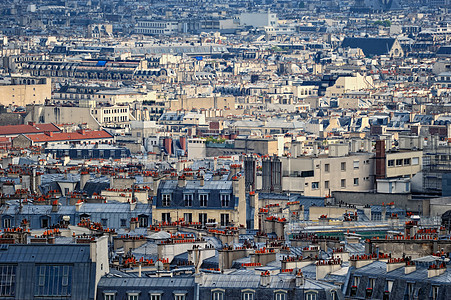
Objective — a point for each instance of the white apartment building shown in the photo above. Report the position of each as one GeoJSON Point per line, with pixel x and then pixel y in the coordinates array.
{"type": "Point", "coordinates": [157, 27]}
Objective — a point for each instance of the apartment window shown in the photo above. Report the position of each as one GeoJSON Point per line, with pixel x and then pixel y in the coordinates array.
{"type": "Point", "coordinates": [6, 222]}
{"type": "Point", "coordinates": [109, 296]}
{"type": "Point", "coordinates": [410, 289]}
{"type": "Point", "coordinates": [334, 295]}
{"type": "Point", "coordinates": [203, 218]}
{"type": "Point", "coordinates": [104, 222]}
{"type": "Point", "coordinates": [188, 217]}
{"type": "Point", "coordinates": [224, 219]}
{"type": "Point", "coordinates": [218, 295]}
{"type": "Point", "coordinates": [326, 184]}
{"type": "Point", "coordinates": [415, 161]}
{"type": "Point", "coordinates": [399, 162]}
{"type": "Point", "coordinates": [188, 199]}
{"type": "Point", "coordinates": [132, 296]}
{"type": "Point", "coordinates": [166, 217]}
{"type": "Point", "coordinates": [315, 185]}
{"type": "Point", "coordinates": [343, 183]}
{"type": "Point", "coordinates": [179, 297]}
{"type": "Point", "coordinates": [434, 292]}
{"type": "Point", "coordinates": [356, 281]}
{"type": "Point", "coordinates": [203, 200]}
{"type": "Point", "coordinates": [7, 280]}
{"type": "Point", "coordinates": [311, 296]}
{"type": "Point", "coordinates": [343, 166]}
{"type": "Point", "coordinates": [225, 200]}
{"type": "Point", "coordinates": [356, 164]}
{"type": "Point", "coordinates": [155, 296]}
{"type": "Point", "coordinates": [356, 181]}
{"type": "Point", "coordinates": [371, 283]}
{"type": "Point", "coordinates": [389, 285]}
{"type": "Point", "coordinates": [407, 161]}
{"type": "Point", "coordinates": [248, 295]}
{"type": "Point", "coordinates": [53, 281]}
{"type": "Point", "coordinates": [326, 168]}
{"type": "Point", "coordinates": [280, 296]}
{"type": "Point", "coordinates": [123, 222]}
{"type": "Point", "coordinates": [166, 199]}
{"type": "Point", "coordinates": [391, 163]}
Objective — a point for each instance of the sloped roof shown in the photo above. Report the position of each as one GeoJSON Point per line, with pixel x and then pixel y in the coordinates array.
{"type": "Point", "coordinates": [369, 46]}
{"type": "Point", "coordinates": [69, 136]}
{"type": "Point", "coordinates": [46, 254]}
{"type": "Point", "coordinates": [28, 129]}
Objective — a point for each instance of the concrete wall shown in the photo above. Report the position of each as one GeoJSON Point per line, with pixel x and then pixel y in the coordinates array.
{"type": "Point", "coordinates": [23, 94]}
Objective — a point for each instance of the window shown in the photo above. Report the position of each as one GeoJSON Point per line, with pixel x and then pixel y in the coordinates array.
{"type": "Point", "coordinates": [333, 295]}
{"type": "Point", "coordinates": [410, 289]}
{"type": "Point", "coordinates": [415, 161]}
{"type": "Point", "coordinates": [53, 281]}
{"type": "Point", "coordinates": [7, 280]}
{"type": "Point", "coordinates": [280, 296]}
{"type": "Point", "coordinates": [343, 166]}
{"type": "Point", "coordinates": [6, 222]}
{"type": "Point", "coordinates": [391, 163]}
{"type": "Point", "coordinates": [44, 222]}
{"type": "Point", "coordinates": [399, 162]}
{"type": "Point", "coordinates": [343, 183]}
{"type": "Point", "coordinates": [155, 296]}
{"type": "Point", "coordinates": [356, 164]}
{"type": "Point", "coordinates": [143, 221]}
{"type": "Point", "coordinates": [310, 296]}
{"type": "Point", "coordinates": [248, 296]}
{"type": "Point", "coordinates": [315, 185]}
{"type": "Point", "coordinates": [166, 217]}
{"type": "Point", "coordinates": [224, 219]}
{"type": "Point", "coordinates": [104, 222]}
{"type": "Point", "coordinates": [166, 199]}
{"type": "Point", "coordinates": [202, 218]}
{"type": "Point", "coordinates": [356, 181]}
{"type": "Point", "coordinates": [123, 222]}
{"type": "Point", "coordinates": [225, 200]}
{"type": "Point", "coordinates": [109, 296]}
{"type": "Point", "coordinates": [356, 281]}
{"type": "Point", "coordinates": [371, 283]}
{"type": "Point", "coordinates": [389, 285]}
{"type": "Point", "coordinates": [203, 200]}
{"type": "Point", "coordinates": [132, 296]}
{"type": "Point", "coordinates": [188, 198]}
{"type": "Point", "coordinates": [188, 217]}
{"type": "Point", "coordinates": [326, 167]}
{"type": "Point", "coordinates": [179, 297]}
{"type": "Point", "coordinates": [217, 296]}
{"type": "Point", "coordinates": [434, 292]}
{"type": "Point", "coordinates": [407, 161]}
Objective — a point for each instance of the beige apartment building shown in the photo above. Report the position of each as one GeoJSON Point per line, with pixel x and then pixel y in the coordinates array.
{"type": "Point", "coordinates": [25, 90]}
{"type": "Point", "coordinates": [319, 176]}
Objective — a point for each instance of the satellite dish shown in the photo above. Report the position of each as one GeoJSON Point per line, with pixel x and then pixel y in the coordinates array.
{"type": "Point", "coordinates": [159, 266]}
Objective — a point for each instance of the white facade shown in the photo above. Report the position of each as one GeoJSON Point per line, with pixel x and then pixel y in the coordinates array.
{"type": "Point", "coordinates": [258, 19]}
{"type": "Point", "coordinates": [157, 27]}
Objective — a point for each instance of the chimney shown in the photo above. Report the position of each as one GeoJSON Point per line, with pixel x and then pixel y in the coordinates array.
{"type": "Point", "coordinates": [300, 280]}
{"type": "Point", "coordinates": [55, 206]}
{"type": "Point", "coordinates": [134, 224]}
{"type": "Point", "coordinates": [78, 205]}
{"type": "Point", "coordinates": [139, 270]}
{"type": "Point", "coordinates": [181, 181]}
{"type": "Point", "coordinates": [436, 269]}
{"type": "Point", "coordinates": [49, 133]}
{"type": "Point", "coordinates": [410, 267]}
{"type": "Point", "coordinates": [265, 278]}
{"type": "Point", "coordinates": [201, 181]}
{"type": "Point", "coordinates": [132, 205]}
